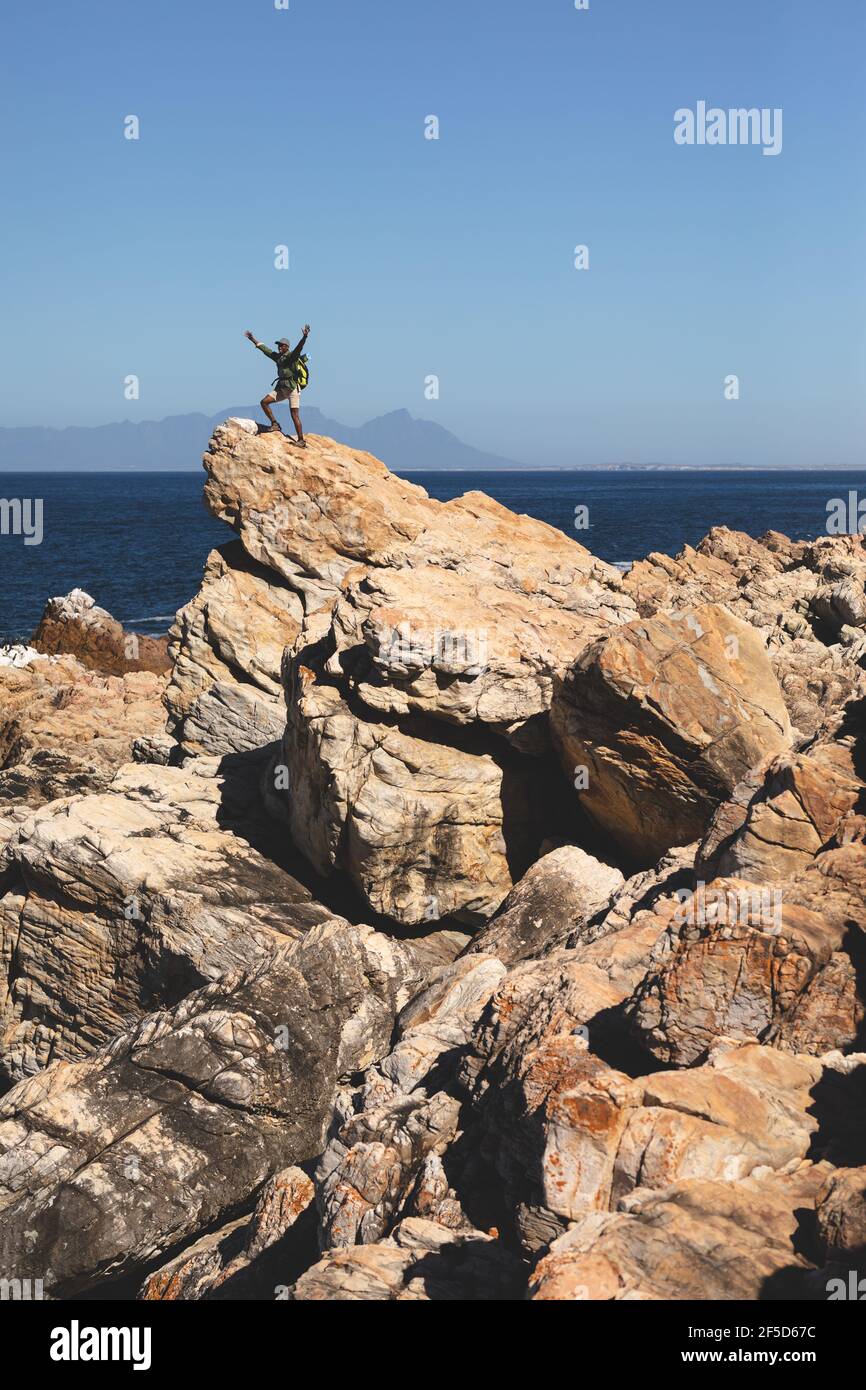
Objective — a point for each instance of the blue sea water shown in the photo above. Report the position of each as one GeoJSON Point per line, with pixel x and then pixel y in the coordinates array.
{"type": "Point", "coordinates": [138, 542]}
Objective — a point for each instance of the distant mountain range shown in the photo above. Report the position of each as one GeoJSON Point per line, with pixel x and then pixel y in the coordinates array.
{"type": "Point", "coordinates": [178, 442]}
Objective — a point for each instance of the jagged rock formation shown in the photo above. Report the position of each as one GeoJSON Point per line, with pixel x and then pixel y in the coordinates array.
{"type": "Point", "coordinates": [601, 1028]}
{"type": "Point", "coordinates": [64, 730]}
{"type": "Point", "coordinates": [225, 693]}
{"type": "Point", "coordinates": [235, 1083]}
{"type": "Point", "coordinates": [125, 900]}
{"type": "Point", "coordinates": [428, 639]}
{"type": "Point", "coordinates": [784, 589]}
{"type": "Point", "coordinates": [73, 625]}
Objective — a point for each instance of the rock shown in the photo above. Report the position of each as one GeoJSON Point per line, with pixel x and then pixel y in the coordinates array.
{"type": "Point", "coordinates": [314, 518]}
{"type": "Point", "coordinates": [367, 1170]}
{"type": "Point", "coordinates": [779, 959]}
{"type": "Point", "coordinates": [19, 656]}
{"type": "Point", "coordinates": [422, 1261]}
{"type": "Point", "coordinates": [558, 895]}
{"type": "Point", "coordinates": [456, 647]}
{"type": "Point", "coordinates": [377, 1162]}
{"type": "Point", "coordinates": [398, 721]}
{"type": "Point", "coordinates": [225, 693]}
{"type": "Point", "coordinates": [125, 900]}
{"type": "Point", "coordinates": [155, 748]}
{"type": "Point", "coordinates": [735, 961]}
{"type": "Point", "coordinates": [639, 893]}
{"type": "Point", "coordinates": [562, 1133]}
{"type": "Point", "coordinates": [246, 1258]}
{"type": "Point", "coordinates": [108, 1164]}
{"type": "Point", "coordinates": [74, 626]}
{"type": "Point", "coordinates": [841, 1214]}
{"type": "Point", "coordinates": [438, 1021]}
{"type": "Point", "coordinates": [817, 683]}
{"type": "Point", "coordinates": [666, 1245]}
{"type": "Point", "coordinates": [221, 1089]}
{"type": "Point", "coordinates": [53, 705]}
{"type": "Point", "coordinates": [424, 829]}
{"type": "Point", "coordinates": [667, 716]}
{"type": "Point", "coordinates": [65, 730]}
{"type": "Point", "coordinates": [434, 1199]}
{"type": "Point", "coordinates": [568, 992]}
{"type": "Point", "coordinates": [841, 604]}
{"type": "Point", "coordinates": [794, 812]}
{"type": "Point", "coordinates": [829, 1014]}
{"type": "Point", "coordinates": [782, 588]}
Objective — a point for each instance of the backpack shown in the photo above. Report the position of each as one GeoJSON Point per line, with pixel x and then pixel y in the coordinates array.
{"type": "Point", "coordinates": [302, 372]}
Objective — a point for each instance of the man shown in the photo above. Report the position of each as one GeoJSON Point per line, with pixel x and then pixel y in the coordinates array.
{"type": "Point", "coordinates": [286, 386]}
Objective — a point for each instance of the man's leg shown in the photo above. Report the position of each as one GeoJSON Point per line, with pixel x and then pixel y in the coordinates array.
{"type": "Point", "coordinates": [266, 402]}
{"type": "Point", "coordinates": [296, 420]}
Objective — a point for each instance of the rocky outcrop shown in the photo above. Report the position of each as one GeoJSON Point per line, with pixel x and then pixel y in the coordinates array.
{"type": "Point", "coordinates": [664, 718]}
{"type": "Point", "coordinates": [65, 730]}
{"type": "Point", "coordinates": [73, 625]}
{"type": "Point", "coordinates": [222, 1092]}
{"type": "Point", "coordinates": [441, 719]}
{"type": "Point", "coordinates": [250, 1257]}
{"type": "Point", "coordinates": [126, 900]}
{"type": "Point", "coordinates": [798, 595]}
{"type": "Point", "coordinates": [426, 637]}
{"type": "Point", "coordinates": [225, 693]}
{"type": "Point", "coordinates": [317, 517]}
{"type": "Point", "coordinates": [666, 1245]}
{"type": "Point", "coordinates": [421, 1262]}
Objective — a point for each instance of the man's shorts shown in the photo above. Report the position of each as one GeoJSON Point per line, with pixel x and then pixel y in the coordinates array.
{"type": "Point", "coordinates": [291, 394]}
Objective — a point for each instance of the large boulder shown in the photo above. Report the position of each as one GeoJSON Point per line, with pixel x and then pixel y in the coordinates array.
{"type": "Point", "coordinates": [561, 893]}
{"type": "Point", "coordinates": [457, 647]}
{"type": "Point", "coordinates": [426, 638]}
{"type": "Point", "coordinates": [664, 718]}
{"type": "Point", "coordinates": [108, 1164]}
{"type": "Point", "coordinates": [424, 828]}
{"type": "Point", "coordinates": [314, 518]}
{"type": "Point", "coordinates": [125, 900]}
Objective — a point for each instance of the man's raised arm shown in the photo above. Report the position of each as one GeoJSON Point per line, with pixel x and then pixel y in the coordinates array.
{"type": "Point", "coordinates": [261, 347]}
{"type": "Point", "coordinates": [302, 344]}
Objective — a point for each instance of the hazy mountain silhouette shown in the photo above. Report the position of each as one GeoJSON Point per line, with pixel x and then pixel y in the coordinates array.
{"type": "Point", "coordinates": [400, 440]}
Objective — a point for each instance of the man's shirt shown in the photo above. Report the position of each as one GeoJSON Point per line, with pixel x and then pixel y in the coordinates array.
{"type": "Point", "coordinates": [286, 363]}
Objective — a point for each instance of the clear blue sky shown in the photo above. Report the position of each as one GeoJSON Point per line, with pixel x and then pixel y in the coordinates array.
{"type": "Point", "coordinates": [413, 257]}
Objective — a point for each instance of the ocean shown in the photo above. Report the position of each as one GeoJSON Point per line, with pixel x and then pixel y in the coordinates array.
{"type": "Point", "coordinates": [138, 542]}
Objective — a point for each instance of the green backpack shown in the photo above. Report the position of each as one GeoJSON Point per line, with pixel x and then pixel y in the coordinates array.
{"type": "Point", "coordinates": [302, 372]}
